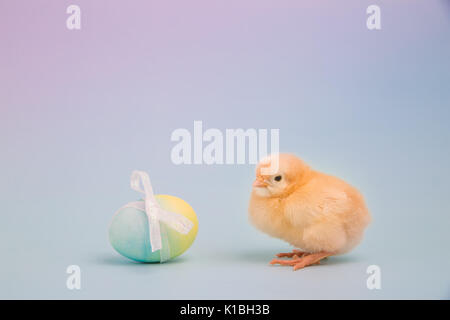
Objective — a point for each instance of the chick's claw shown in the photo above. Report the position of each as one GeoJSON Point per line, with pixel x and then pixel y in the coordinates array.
{"type": "Point", "coordinates": [284, 262]}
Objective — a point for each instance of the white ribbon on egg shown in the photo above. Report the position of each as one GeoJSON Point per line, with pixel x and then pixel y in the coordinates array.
{"type": "Point", "coordinates": [140, 182]}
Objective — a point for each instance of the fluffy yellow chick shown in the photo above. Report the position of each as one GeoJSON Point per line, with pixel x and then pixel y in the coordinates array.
{"type": "Point", "coordinates": [315, 212]}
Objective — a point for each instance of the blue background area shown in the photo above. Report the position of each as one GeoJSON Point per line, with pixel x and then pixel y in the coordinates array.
{"type": "Point", "coordinates": [81, 109]}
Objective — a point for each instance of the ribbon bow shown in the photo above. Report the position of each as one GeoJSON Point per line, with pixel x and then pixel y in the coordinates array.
{"type": "Point", "coordinates": [140, 182]}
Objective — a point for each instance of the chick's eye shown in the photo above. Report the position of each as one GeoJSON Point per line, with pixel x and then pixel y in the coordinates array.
{"type": "Point", "coordinates": [277, 178]}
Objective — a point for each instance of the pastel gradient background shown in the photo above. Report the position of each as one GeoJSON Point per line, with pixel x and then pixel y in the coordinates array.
{"type": "Point", "coordinates": [81, 109]}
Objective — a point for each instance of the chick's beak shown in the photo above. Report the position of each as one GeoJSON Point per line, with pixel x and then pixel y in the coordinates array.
{"type": "Point", "coordinates": [259, 183]}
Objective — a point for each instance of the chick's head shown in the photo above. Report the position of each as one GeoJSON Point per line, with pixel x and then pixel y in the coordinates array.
{"type": "Point", "coordinates": [278, 175]}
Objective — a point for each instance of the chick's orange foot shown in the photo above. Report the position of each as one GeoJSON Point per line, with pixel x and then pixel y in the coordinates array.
{"type": "Point", "coordinates": [294, 252]}
{"type": "Point", "coordinates": [305, 260]}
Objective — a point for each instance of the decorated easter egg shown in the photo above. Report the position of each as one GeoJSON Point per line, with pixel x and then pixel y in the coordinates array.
{"type": "Point", "coordinates": [129, 231]}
